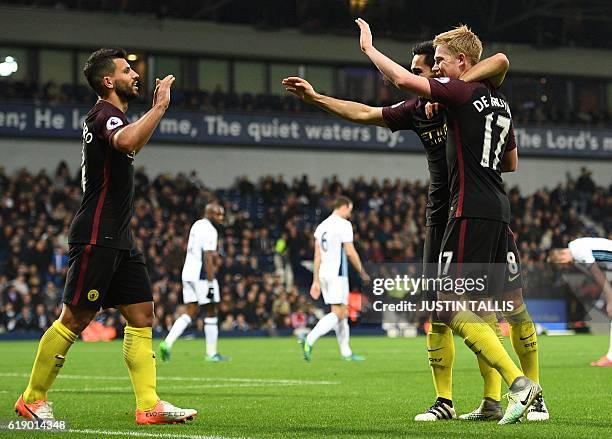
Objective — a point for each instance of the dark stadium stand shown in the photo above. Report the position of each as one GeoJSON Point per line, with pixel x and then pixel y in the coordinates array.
{"type": "Point", "coordinates": [266, 238]}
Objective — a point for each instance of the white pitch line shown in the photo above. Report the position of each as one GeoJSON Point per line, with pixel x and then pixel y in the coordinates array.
{"type": "Point", "coordinates": [171, 378]}
{"type": "Point", "coordinates": [143, 434]}
{"type": "Point", "coordinates": [195, 386]}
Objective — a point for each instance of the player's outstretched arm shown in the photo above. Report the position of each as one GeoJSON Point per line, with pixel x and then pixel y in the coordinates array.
{"type": "Point", "coordinates": [492, 69]}
{"type": "Point", "coordinates": [135, 136]}
{"type": "Point", "coordinates": [397, 74]}
{"type": "Point", "coordinates": [353, 257]}
{"type": "Point", "coordinates": [353, 111]}
{"type": "Point", "coordinates": [315, 288]}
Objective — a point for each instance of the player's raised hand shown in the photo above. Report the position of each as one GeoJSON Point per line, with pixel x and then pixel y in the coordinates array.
{"type": "Point", "coordinates": [365, 38]}
{"type": "Point", "coordinates": [161, 95]}
{"type": "Point", "coordinates": [315, 290]}
{"type": "Point", "coordinates": [299, 87]}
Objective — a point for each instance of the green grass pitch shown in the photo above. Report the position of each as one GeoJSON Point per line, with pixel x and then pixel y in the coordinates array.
{"type": "Point", "coordinates": [267, 390]}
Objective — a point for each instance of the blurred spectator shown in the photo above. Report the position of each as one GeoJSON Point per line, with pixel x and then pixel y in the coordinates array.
{"type": "Point", "coordinates": [266, 240]}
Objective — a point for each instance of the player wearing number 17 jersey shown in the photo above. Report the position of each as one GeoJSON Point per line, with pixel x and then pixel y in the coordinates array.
{"type": "Point", "coordinates": [333, 249]}
{"type": "Point", "coordinates": [478, 144]}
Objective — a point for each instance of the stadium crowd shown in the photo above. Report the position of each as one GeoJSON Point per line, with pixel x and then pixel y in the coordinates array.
{"type": "Point", "coordinates": [266, 238]}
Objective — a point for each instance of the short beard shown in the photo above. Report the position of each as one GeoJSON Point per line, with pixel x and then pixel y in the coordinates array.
{"type": "Point", "coordinates": [125, 92]}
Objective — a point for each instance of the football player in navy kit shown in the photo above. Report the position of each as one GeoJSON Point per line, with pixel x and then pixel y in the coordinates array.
{"type": "Point", "coordinates": [105, 269]}
{"type": "Point", "coordinates": [480, 144]}
{"type": "Point", "coordinates": [412, 115]}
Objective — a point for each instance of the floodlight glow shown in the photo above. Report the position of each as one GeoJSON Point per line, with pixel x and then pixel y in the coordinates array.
{"type": "Point", "coordinates": [8, 66]}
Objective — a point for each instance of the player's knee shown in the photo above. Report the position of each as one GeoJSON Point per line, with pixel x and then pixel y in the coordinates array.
{"type": "Point", "coordinates": [76, 319]}
{"type": "Point", "coordinates": [518, 316]}
{"type": "Point", "coordinates": [76, 325]}
{"type": "Point", "coordinates": [192, 311]}
{"type": "Point", "coordinates": [340, 311]}
{"type": "Point", "coordinates": [141, 321]}
{"type": "Point", "coordinates": [445, 316]}
{"type": "Point", "coordinates": [513, 298]}
{"type": "Point", "coordinates": [210, 310]}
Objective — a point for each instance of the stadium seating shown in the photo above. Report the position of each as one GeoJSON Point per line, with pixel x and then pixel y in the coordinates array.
{"type": "Point", "coordinates": [262, 284]}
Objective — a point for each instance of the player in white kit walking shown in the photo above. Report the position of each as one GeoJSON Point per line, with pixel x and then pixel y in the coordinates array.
{"type": "Point", "coordinates": [201, 257]}
{"type": "Point", "coordinates": [333, 246]}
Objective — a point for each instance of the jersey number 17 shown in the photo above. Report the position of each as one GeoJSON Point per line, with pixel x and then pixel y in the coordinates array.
{"type": "Point", "coordinates": [492, 160]}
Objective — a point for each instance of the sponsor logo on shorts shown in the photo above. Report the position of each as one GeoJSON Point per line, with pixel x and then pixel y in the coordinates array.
{"type": "Point", "coordinates": [93, 295]}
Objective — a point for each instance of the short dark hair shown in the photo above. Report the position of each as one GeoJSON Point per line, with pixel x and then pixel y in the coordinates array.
{"type": "Point", "coordinates": [425, 48]}
{"type": "Point", "coordinates": [342, 201]}
{"type": "Point", "coordinates": [100, 64]}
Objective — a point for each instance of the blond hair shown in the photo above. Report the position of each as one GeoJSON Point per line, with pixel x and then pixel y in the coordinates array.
{"type": "Point", "coordinates": [461, 40]}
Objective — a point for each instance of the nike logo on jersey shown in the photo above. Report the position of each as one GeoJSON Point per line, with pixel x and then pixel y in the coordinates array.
{"type": "Point", "coordinates": [433, 350]}
{"type": "Point", "coordinates": [525, 338]}
{"type": "Point", "coordinates": [512, 278]}
{"type": "Point", "coordinates": [113, 122]}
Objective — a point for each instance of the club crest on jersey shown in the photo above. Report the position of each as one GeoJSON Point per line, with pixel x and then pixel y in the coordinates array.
{"type": "Point", "coordinates": [443, 80]}
{"type": "Point", "coordinates": [113, 122]}
{"type": "Point", "coordinates": [93, 295]}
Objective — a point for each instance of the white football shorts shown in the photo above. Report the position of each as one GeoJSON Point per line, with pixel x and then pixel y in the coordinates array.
{"type": "Point", "coordinates": [335, 290]}
{"type": "Point", "coordinates": [197, 292]}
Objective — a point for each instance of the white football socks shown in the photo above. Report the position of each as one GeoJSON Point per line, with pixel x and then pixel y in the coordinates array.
{"type": "Point", "coordinates": [326, 324]}
{"type": "Point", "coordinates": [211, 331]}
{"type": "Point", "coordinates": [178, 328]}
{"type": "Point", "coordinates": [343, 335]}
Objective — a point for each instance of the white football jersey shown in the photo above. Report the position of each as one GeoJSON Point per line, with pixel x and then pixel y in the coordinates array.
{"type": "Point", "coordinates": [331, 234]}
{"type": "Point", "coordinates": [589, 250]}
{"type": "Point", "coordinates": [202, 237]}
